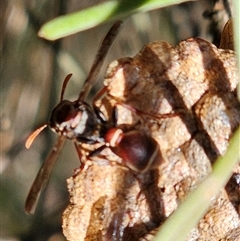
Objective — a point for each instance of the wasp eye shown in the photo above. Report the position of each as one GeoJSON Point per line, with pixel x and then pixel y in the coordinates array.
{"type": "Point", "coordinates": [63, 112]}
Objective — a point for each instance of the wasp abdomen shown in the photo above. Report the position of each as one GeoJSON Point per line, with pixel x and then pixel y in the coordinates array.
{"type": "Point", "coordinates": [139, 151]}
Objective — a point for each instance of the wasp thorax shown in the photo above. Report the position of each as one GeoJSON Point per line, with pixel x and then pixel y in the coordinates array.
{"type": "Point", "coordinates": [139, 151]}
{"type": "Point", "coordinates": [72, 119]}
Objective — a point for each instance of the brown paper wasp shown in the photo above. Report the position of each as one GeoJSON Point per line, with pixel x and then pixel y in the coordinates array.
{"type": "Point", "coordinates": [85, 123]}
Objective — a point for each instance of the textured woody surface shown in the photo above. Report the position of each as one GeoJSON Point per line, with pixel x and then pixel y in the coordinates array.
{"type": "Point", "coordinates": [185, 99]}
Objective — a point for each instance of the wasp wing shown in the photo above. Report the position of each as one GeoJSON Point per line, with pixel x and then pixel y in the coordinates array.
{"type": "Point", "coordinates": [43, 176]}
{"type": "Point", "coordinates": [99, 59]}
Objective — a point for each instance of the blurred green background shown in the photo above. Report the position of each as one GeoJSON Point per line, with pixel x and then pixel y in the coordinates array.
{"type": "Point", "coordinates": [32, 72]}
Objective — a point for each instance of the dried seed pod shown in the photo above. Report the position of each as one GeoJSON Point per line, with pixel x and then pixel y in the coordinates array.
{"type": "Point", "coordinates": [227, 41]}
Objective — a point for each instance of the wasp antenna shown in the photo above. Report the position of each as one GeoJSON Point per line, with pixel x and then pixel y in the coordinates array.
{"type": "Point", "coordinates": [32, 137]}
{"type": "Point", "coordinates": [65, 82]}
